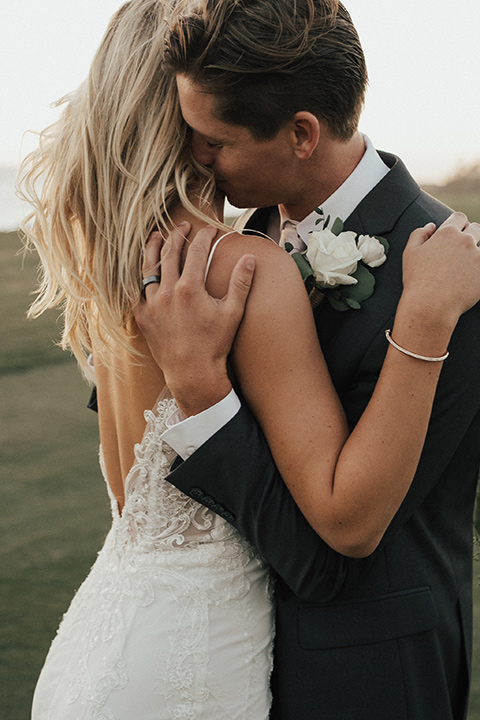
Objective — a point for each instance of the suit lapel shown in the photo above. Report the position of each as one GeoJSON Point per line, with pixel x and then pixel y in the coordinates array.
{"type": "Point", "coordinates": [379, 211]}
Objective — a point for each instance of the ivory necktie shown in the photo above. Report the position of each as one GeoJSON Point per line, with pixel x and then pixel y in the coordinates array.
{"type": "Point", "coordinates": [290, 235]}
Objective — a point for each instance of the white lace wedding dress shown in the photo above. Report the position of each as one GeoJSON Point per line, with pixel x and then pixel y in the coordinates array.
{"type": "Point", "coordinates": [174, 621]}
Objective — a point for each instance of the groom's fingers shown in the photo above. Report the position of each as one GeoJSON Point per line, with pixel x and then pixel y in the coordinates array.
{"type": "Point", "coordinates": [151, 258]}
{"type": "Point", "coordinates": [196, 262]}
{"type": "Point", "coordinates": [239, 286]}
{"type": "Point", "coordinates": [171, 254]}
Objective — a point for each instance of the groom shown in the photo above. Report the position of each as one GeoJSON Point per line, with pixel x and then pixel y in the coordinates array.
{"type": "Point", "coordinates": [387, 637]}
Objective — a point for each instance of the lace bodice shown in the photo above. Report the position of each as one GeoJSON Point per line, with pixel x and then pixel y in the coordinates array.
{"type": "Point", "coordinates": [157, 516]}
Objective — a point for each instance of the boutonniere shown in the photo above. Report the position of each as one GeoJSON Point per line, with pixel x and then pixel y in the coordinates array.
{"type": "Point", "coordinates": [336, 264]}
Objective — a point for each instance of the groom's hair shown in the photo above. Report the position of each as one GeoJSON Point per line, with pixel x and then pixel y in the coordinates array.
{"type": "Point", "coordinates": [265, 60]}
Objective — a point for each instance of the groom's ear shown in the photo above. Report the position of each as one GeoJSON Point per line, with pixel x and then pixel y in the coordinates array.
{"type": "Point", "coordinates": [305, 134]}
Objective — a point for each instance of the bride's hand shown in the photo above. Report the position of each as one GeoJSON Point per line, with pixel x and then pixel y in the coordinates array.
{"type": "Point", "coordinates": [441, 268]}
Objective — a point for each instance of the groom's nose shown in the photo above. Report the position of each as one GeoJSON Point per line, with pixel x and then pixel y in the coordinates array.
{"type": "Point", "coordinates": [201, 150]}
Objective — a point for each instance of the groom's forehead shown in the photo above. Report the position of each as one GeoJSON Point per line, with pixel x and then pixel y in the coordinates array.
{"type": "Point", "coordinates": [199, 112]}
{"type": "Point", "coordinates": [197, 106]}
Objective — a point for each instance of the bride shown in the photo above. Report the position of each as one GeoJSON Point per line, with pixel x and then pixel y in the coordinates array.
{"type": "Point", "coordinates": [175, 620]}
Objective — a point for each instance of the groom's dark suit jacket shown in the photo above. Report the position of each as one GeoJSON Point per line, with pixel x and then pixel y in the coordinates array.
{"type": "Point", "coordinates": [387, 637]}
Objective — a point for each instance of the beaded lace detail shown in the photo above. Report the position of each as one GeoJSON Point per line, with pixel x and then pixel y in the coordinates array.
{"type": "Point", "coordinates": [156, 514]}
{"type": "Point", "coordinates": [170, 567]}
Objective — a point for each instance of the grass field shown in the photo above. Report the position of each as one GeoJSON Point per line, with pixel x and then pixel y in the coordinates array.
{"type": "Point", "coordinates": [53, 504]}
{"type": "Point", "coordinates": [469, 203]}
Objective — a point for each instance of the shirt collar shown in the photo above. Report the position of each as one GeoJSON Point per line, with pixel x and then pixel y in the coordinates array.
{"type": "Point", "coordinates": [368, 173]}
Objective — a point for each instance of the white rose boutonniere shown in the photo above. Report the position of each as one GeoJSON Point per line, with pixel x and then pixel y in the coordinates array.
{"type": "Point", "coordinates": [373, 251]}
{"type": "Point", "coordinates": [333, 258]}
{"type": "Point", "coordinates": [336, 265]}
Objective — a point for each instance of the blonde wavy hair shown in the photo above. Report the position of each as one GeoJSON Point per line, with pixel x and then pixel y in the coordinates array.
{"type": "Point", "coordinates": [103, 177]}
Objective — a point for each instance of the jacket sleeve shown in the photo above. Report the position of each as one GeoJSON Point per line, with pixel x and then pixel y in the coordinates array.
{"type": "Point", "coordinates": [452, 445]}
{"type": "Point", "coordinates": [235, 475]}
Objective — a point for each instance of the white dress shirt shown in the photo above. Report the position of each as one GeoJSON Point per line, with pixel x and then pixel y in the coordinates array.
{"type": "Point", "coordinates": [185, 435]}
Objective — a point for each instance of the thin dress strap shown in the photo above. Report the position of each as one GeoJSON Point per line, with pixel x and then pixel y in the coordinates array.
{"type": "Point", "coordinates": [212, 251]}
{"type": "Point", "coordinates": [232, 232]}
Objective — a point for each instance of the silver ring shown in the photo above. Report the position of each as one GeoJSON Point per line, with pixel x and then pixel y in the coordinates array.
{"type": "Point", "coordinates": [150, 279]}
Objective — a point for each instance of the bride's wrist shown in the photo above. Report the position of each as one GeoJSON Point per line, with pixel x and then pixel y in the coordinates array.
{"type": "Point", "coordinates": [430, 310]}
{"type": "Point", "coordinates": [422, 327]}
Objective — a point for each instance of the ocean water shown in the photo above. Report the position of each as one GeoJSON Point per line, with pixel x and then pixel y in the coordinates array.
{"type": "Point", "coordinates": [12, 209]}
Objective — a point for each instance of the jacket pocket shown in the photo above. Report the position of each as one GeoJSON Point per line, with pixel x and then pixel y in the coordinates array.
{"type": "Point", "coordinates": [366, 621]}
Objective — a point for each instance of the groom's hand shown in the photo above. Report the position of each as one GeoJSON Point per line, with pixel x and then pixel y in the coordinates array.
{"type": "Point", "coordinates": [190, 333]}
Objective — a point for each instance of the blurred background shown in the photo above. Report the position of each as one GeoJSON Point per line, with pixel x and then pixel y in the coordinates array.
{"type": "Point", "coordinates": [423, 104]}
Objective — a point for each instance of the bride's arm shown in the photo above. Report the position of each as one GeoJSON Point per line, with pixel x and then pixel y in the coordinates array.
{"type": "Point", "coordinates": [348, 487]}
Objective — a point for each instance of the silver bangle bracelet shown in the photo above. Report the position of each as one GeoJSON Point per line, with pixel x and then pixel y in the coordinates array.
{"type": "Point", "coordinates": [412, 354]}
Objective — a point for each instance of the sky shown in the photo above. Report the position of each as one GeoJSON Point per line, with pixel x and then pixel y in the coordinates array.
{"type": "Point", "coordinates": [423, 57]}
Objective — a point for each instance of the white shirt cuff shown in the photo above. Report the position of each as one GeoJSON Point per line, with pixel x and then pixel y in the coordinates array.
{"type": "Point", "coordinates": [185, 435]}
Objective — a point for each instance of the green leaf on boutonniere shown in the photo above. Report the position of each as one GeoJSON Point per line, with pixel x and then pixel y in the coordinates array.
{"type": "Point", "coordinates": [352, 304]}
{"type": "Point", "coordinates": [302, 264]}
{"type": "Point", "coordinates": [322, 218]}
{"type": "Point", "coordinates": [365, 285]}
{"type": "Point", "coordinates": [337, 227]}
{"type": "Point", "coordinates": [337, 303]}
{"type": "Point", "coordinates": [383, 242]}
{"type": "Point", "coordinates": [347, 297]}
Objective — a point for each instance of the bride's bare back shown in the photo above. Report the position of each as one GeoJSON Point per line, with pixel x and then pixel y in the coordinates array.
{"type": "Point", "coordinates": [123, 397]}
